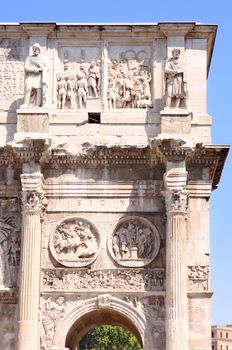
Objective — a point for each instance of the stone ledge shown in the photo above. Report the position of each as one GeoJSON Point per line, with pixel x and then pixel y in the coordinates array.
{"type": "Point", "coordinates": [197, 294]}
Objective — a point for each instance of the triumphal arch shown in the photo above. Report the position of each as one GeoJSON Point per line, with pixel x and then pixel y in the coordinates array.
{"type": "Point", "coordinates": [106, 172]}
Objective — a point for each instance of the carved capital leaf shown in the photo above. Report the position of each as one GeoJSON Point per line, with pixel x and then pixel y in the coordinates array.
{"type": "Point", "coordinates": [176, 200]}
{"type": "Point", "coordinates": [33, 201]}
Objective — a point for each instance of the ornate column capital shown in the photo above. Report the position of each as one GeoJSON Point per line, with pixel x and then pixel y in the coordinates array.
{"type": "Point", "coordinates": [176, 200]}
{"type": "Point", "coordinates": [33, 202]}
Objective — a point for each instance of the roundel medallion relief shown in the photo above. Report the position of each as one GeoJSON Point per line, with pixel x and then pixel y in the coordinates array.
{"type": "Point", "coordinates": [135, 242]}
{"type": "Point", "coordinates": [75, 242]}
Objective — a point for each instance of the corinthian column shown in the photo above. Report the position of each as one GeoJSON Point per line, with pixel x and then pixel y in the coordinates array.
{"type": "Point", "coordinates": [32, 199]}
{"type": "Point", "coordinates": [176, 200]}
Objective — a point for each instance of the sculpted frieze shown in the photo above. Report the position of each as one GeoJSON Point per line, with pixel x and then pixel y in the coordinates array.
{"type": "Point", "coordinates": [110, 279]}
{"type": "Point", "coordinates": [12, 53]}
{"type": "Point", "coordinates": [129, 78]}
{"type": "Point", "coordinates": [78, 80]}
{"type": "Point", "coordinates": [198, 278]}
{"type": "Point", "coordinates": [134, 242]}
{"type": "Point", "coordinates": [75, 242]}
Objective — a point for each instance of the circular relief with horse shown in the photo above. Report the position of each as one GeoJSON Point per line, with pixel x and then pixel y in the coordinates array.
{"type": "Point", "coordinates": [75, 242]}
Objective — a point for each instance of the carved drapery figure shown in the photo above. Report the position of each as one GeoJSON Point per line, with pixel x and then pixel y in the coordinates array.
{"type": "Point", "coordinates": [93, 79]}
{"type": "Point", "coordinates": [6, 227]}
{"type": "Point", "coordinates": [74, 243]}
{"type": "Point", "coordinates": [51, 315]}
{"type": "Point", "coordinates": [36, 70]}
{"type": "Point", "coordinates": [176, 85]}
{"type": "Point", "coordinates": [81, 88]}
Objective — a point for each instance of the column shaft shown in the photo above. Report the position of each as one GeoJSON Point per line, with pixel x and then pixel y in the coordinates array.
{"type": "Point", "coordinates": [28, 337]}
{"type": "Point", "coordinates": [176, 283]}
{"type": "Point", "coordinates": [29, 291]}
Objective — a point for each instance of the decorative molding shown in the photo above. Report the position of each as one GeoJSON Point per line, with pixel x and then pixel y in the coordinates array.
{"type": "Point", "coordinates": [8, 296]}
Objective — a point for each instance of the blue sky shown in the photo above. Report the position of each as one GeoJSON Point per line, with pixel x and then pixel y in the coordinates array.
{"type": "Point", "coordinates": [219, 96]}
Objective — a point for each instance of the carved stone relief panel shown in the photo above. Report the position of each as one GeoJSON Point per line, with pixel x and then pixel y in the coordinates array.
{"type": "Point", "coordinates": [135, 242]}
{"type": "Point", "coordinates": [129, 77]}
{"type": "Point", "coordinates": [108, 279]}
{"type": "Point", "coordinates": [154, 310]}
{"type": "Point", "coordinates": [12, 55]}
{"type": "Point", "coordinates": [52, 311]}
{"type": "Point", "coordinates": [78, 79]}
{"type": "Point", "coordinates": [9, 244]}
{"type": "Point", "coordinates": [75, 242]}
{"type": "Point", "coordinates": [198, 278]}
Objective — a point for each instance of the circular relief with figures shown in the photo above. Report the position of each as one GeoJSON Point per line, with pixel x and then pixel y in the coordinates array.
{"type": "Point", "coordinates": [135, 242]}
{"type": "Point", "coordinates": [75, 242]}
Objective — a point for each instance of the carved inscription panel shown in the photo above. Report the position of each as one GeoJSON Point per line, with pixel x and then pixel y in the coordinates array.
{"type": "Point", "coordinates": [12, 55]}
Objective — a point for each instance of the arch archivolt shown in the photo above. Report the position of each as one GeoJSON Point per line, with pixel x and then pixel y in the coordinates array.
{"type": "Point", "coordinates": [103, 309]}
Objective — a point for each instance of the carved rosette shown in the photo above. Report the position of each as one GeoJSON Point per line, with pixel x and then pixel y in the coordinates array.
{"type": "Point", "coordinates": [33, 202]}
{"type": "Point", "coordinates": [135, 242]}
{"type": "Point", "coordinates": [75, 242]}
{"type": "Point", "coordinates": [176, 200]}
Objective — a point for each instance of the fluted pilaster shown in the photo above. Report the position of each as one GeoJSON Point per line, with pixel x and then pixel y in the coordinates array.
{"type": "Point", "coordinates": [176, 200]}
{"type": "Point", "coordinates": [33, 206]}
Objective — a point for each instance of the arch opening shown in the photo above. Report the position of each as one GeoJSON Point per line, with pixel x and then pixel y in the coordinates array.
{"type": "Point", "coordinates": [95, 319]}
{"type": "Point", "coordinates": [109, 337]}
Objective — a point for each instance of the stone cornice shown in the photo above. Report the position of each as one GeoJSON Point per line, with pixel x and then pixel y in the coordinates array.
{"type": "Point", "coordinates": [154, 155]}
{"type": "Point", "coordinates": [38, 29]}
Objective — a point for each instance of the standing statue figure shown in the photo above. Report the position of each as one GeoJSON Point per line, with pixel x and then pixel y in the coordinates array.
{"type": "Point", "coordinates": [176, 86]}
{"type": "Point", "coordinates": [36, 69]}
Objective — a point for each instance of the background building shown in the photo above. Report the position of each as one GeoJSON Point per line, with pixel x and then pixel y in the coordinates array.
{"type": "Point", "coordinates": [222, 337]}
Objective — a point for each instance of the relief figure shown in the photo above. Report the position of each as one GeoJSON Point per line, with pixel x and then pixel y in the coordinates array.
{"type": "Point", "coordinates": [6, 227]}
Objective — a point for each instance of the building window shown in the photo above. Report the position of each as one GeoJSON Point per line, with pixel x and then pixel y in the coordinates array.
{"type": "Point", "coordinates": [220, 347]}
{"type": "Point", "coordinates": [227, 347]}
{"type": "Point", "coordinates": [212, 347]}
{"type": "Point", "coordinates": [221, 334]}
{"type": "Point", "coordinates": [226, 335]}
{"type": "Point", "coordinates": [212, 334]}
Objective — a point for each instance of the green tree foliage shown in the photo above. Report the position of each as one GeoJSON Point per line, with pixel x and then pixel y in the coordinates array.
{"type": "Point", "coordinates": [109, 338]}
